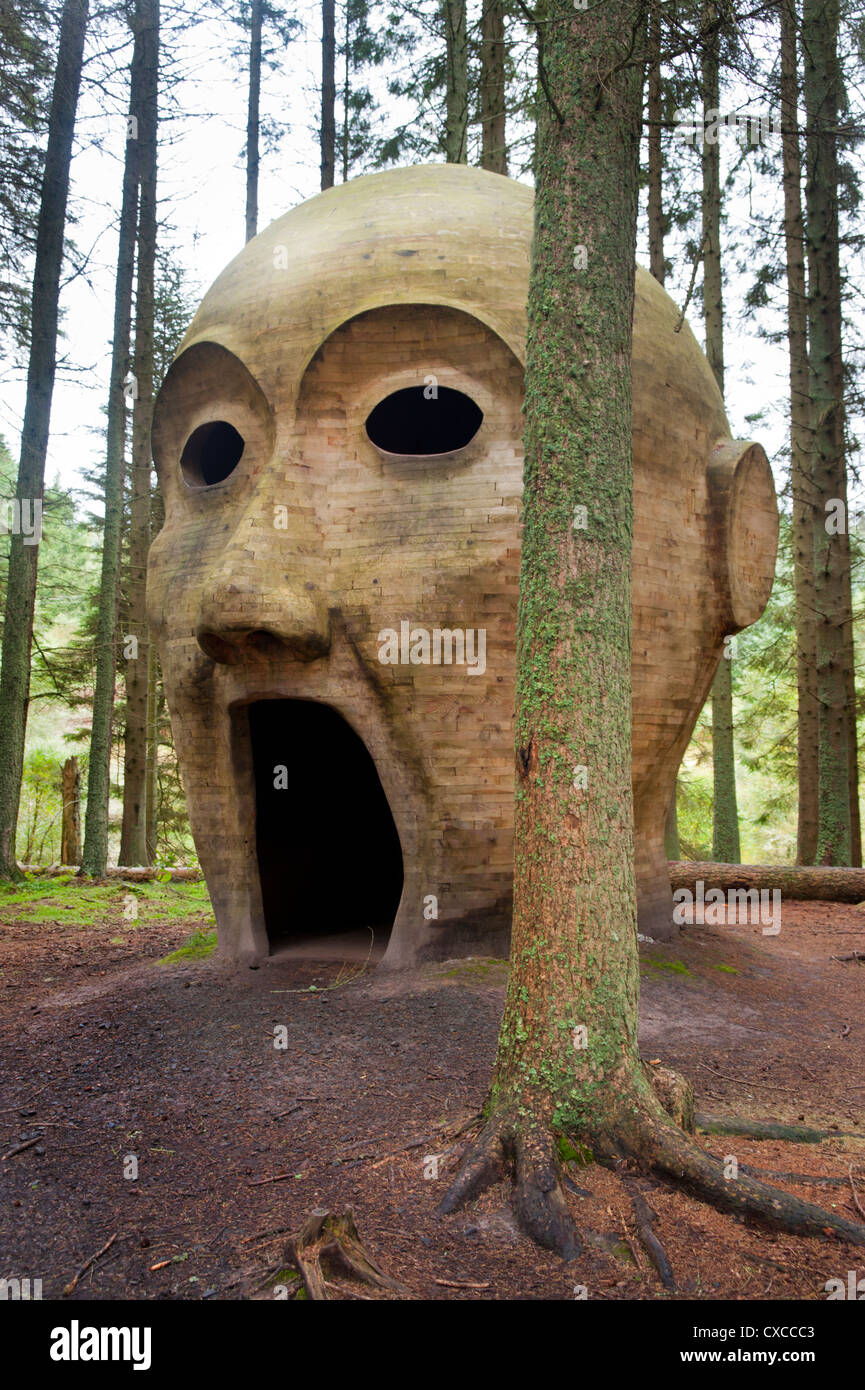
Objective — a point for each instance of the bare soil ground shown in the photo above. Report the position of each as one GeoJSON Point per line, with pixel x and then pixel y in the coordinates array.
{"type": "Point", "coordinates": [107, 1053]}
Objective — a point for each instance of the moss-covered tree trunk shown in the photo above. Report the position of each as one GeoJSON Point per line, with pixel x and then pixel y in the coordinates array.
{"type": "Point", "coordinates": [494, 153]}
{"type": "Point", "coordinates": [133, 835]}
{"type": "Point", "coordinates": [822, 89]}
{"type": "Point", "coordinates": [800, 445]}
{"type": "Point", "coordinates": [24, 548]}
{"type": "Point", "coordinates": [567, 1061]}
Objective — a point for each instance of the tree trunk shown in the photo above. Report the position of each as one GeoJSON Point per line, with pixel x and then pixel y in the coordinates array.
{"type": "Point", "coordinates": [811, 883]}
{"type": "Point", "coordinates": [154, 699]}
{"type": "Point", "coordinates": [70, 822]}
{"type": "Point", "coordinates": [800, 445]}
{"type": "Point", "coordinates": [328, 93]}
{"type": "Point", "coordinates": [494, 153]}
{"type": "Point", "coordinates": [24, 549]}
{"type": "Point", "coordinates": [832, 605]}
{"type": "Point", "coordinates": [568, 1061]}
{"type": "Point", "coordinates": [655, 173]}
{"type": "Point", "coordinates": [253, 119]}
{"type": "Point", "coordinates": [573, 944]}
{"type": "Point", "coordinates": [133, 837]}
{"type": "Point", "coordinates": [725, 815]}
{"type": "Point", "coordinates": [457, 82]}
{"type": "Point", "coordinates": [152, 755]}
{"type": "Point", "coordinates": [95, 853]}
{"type": "Point", "coordinates": [346, 93]}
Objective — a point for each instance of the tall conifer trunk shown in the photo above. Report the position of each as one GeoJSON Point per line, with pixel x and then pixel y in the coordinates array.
{"type": "Point", "coordinates": [456, 81]}
{"type": "Point", "coordinates": [833, 608]}
{"type": "Point", "coordinates": [133, 836]}
{"type": "Point", "coordinates": [655, 171]}
{"type": "Point", "coordinates": [494, 154]}
{"type": "Point", "coordinates": [800, 445]}
{"type": "Point", "coordinates": [94, 856]}
{"type": "Point", "coordinates": [725, 814]}
{"type": "Point", "coordinates": [23, 553]}
{"type": "Point", "coordinates": [253, 119]}
{"type": "Point", "coordinates": [328, 93]}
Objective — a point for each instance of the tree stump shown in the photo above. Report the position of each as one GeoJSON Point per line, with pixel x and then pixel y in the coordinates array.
{"type": "Point", "coordinates": [330, 1258]}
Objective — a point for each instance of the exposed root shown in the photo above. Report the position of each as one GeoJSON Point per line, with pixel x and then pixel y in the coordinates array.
{"type": "Point", "coordinates": [768, 1129]}
{"type": "Point", "coordinates": [645, 1219]}
{"type": "Point", "coordinates": [539, 1203]}
{"type": "Point", "coordinates": [776, 1175]}
{"type": "Point", "coordinates": [662, 1148]}
{"type": "Point", "coordinates": [484, 1163]}
{"type": "Point", "coordinates": [642, 1134]}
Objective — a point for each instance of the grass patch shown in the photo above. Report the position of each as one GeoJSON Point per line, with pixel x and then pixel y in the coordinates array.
{"type": "Point", "coordinates": [673, 967]}
{"type": "Point", "coordinates": [198, 946]}
{"type": "Point", "coordinates": [83, 903]}
{"type": "Point", "coordinates": [727, 969]}
{"type": "Point", "coordinates": [476, 969]}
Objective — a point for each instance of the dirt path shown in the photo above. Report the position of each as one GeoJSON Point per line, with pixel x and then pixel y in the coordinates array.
{"type": "Point", "coordinates": [106, 1053]}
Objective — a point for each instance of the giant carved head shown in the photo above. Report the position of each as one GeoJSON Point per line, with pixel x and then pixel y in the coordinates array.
{"type": "Point", "coordinates": [334, 590]}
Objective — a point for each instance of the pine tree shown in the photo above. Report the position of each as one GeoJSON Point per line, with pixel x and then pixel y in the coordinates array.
{"type": "Point", "coordinates": [800, 443]}
{"type": "Point", "coordinates": [493, 93]}
{"type": "Point", "coordinates": [94, 856]}
{"type": "Point", "coordinates": [133, 837]}
{"type": "Point", "coordinates": [23, 553]}
{"type": "Point", "coordinates": [457, 81]}
{"type": "Point", "coordinates": [328, 93]}
{"type": "Point", "coordinates": [568, 1063]}
{"type": "Point", "coordinates": [832, 601]}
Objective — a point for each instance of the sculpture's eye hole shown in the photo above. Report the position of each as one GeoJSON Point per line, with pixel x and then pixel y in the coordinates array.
{"type": "Point", "coordinates": [211, 454]}
{"type": "Point", "coordinates": [424, 420]}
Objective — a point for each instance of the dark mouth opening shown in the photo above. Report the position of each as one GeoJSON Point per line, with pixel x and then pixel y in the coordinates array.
{"type": "Point", "coordinates": [329, 855]}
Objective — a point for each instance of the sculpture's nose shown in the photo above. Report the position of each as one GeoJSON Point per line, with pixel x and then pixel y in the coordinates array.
{"type": "Point", "coordinates": [241, 620]}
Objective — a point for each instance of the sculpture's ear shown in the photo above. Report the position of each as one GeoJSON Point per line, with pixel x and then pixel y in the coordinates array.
{"type": "Point", "coordinates": [745, 522]}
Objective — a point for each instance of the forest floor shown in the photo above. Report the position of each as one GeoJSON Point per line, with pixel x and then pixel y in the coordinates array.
{"type": "Point", "coordinates": [109, 1051]}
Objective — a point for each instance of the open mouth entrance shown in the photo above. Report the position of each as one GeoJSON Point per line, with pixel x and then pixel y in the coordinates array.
{"type": "Point", "coordinates": [329, 854]}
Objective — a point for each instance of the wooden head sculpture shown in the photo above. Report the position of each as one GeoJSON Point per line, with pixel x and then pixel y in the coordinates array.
{"type": "Point", "coordinates": [334, 590]}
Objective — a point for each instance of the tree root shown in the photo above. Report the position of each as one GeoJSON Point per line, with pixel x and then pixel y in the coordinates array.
{"type": "Point", "coordinates": [645, 1219]}
{"type": "Point", "coordinates": [656, 1145]}
{"type": "Point", "coordinates": [768, 1129]}
{"type": "Point", "coordinates": [539, 1202]}
{"type": "Point", "coordinates": [811, 1179]}
{"type": "Point", "coordinates": [639, 1134]}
